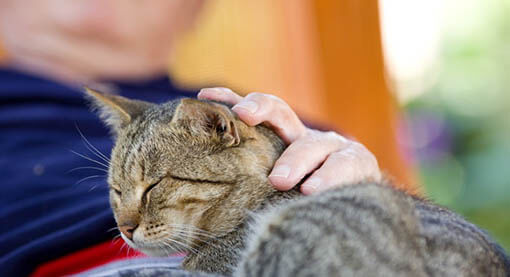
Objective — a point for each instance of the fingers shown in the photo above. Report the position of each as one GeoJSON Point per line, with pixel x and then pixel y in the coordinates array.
{"type": "Point", "coordinates": [257, 108]}
{"type": "Point", "coordinates": [304, 156]}
{"type": "Point", "coordinates": [220, 94]}
{"type": "Point", "coordinates": [339, 161]}
{"type": "Point", "coordinates": [351, 165]}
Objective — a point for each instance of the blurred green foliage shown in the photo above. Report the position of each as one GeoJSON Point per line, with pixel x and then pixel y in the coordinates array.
{"type": "Point", "coordinates": [465, 164]}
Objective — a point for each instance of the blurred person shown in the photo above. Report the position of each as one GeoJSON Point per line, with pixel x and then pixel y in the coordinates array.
{"type": "Point", "coordinates": [54, 46]}
{"type": "Point", "coordinates": [82, 40]}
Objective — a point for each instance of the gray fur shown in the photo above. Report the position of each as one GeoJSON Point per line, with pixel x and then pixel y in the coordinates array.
{"type": "Point", "coordinates": [368, 230]}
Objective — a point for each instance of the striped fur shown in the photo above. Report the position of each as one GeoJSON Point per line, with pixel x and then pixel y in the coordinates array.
{"type": "Point", "coordinates": [368, 230]}
{"type": "Point", "coordinates": [194, 177]}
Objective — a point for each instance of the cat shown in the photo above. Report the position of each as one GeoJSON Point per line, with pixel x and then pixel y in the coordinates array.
{"type": "Point", "coordinates": [189, 176]}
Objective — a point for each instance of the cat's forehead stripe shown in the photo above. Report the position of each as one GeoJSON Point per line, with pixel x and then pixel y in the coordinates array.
{"type": "Point", "coordinates": [135, 138]}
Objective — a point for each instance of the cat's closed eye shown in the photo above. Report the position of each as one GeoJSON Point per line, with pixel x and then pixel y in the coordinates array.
{"type": "Point", "coordinates": [147, 191]}
{"type": "Point", "coordinates": [199, 180]}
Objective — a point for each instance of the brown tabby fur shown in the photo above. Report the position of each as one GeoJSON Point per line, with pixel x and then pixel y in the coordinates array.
{"type": "Point", "coordinates": [189, 175]}
{"type": "Point", "coordinates": [211, 168]}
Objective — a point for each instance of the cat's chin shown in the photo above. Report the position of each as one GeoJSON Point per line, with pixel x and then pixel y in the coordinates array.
{"type": "Point", "coordinates": [150, 250]}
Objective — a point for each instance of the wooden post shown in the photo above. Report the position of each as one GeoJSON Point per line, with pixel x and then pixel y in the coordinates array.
{"type": "Point", "coordinates": [356, 94]}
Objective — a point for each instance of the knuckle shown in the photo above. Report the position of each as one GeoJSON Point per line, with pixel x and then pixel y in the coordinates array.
{"type": "Point", "coordinates": [310, 140]}
{"type": "Point", "coordinates": [332, 134]}
{"type": "Point", "coordinates": [364, 153]}
{"type": "Point", "coordinates": [351, 164]}
{"type": "Point", "coordinates": [357, 146]}
{"type": "Point", "coordinates": [257, 96]}
{"type": "Point", "coordinates": [262, 99]}
{"type": "Point", "coordinates": [340, 156]}
{"type": "Point", "coordinates": [266, 98]}
{"type": "Point", "coordinates": [225, 89]}
{"type": "Point", "coordinates": [373, 162]}
{"type": "Point", "coordinates": [274, 98]}
{"type": "Point", "coordinates": [336, 138]}
{"type": "Point", "coordinates": [330, 138]}
{"type": "Point", "coordinates": [359, 149]}
{"type": "Point", "coordinates": [314, 136]}
{"type": "Point", "coordinates": [314, 139]}
{"type": "Point", "coordinates": [286, 117]}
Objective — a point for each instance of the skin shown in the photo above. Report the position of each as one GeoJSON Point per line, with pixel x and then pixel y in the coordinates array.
{"type": "Point", "coordinates": [81, 41]}
{"type": "Point", "coordinates": [331, 159]}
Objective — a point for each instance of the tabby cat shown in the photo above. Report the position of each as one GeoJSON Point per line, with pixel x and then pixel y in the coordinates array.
{"type": "Point", "coordinates": [189, 176]}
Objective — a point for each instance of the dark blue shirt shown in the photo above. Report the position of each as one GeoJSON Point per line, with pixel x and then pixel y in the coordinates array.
{"type": "Point", "coordinates": [49, 205]}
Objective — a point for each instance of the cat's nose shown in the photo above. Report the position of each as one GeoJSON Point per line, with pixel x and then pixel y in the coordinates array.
{"type": "Point", "coordinates": [128, 228]}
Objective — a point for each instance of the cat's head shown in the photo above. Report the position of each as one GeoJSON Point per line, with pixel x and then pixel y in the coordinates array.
{"type": "Point", "coordinates": [183, 170]}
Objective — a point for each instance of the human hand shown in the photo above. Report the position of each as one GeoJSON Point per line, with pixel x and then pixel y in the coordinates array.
{"type": "Point", "coordinates": [332, 159]}
{"type": "Point", "coordinates": [83, 40]}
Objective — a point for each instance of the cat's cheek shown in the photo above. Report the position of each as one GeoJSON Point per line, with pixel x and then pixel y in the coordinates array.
{"type": "Point", "coordinates": [114, 201]}
{"type": "Point", "coordinates": [114, 204]}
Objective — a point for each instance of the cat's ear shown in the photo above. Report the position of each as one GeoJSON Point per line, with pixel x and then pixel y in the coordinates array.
{"type": "Point", "coordinates": [208, 118]}
{"type": "Point", "coordinates": [116, 111]}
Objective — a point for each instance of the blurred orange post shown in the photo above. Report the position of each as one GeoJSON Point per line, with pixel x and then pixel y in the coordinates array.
{"type": "Point", "coordinates": [356, 95]}
{"type": "Point", "coordinates": [323, 57]}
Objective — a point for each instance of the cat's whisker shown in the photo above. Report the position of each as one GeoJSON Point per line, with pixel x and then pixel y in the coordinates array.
{"type": "Point", "coordinates": [90, 159]}
{"type": "Point", "coordinates": [202, 237]}
{"type": "Point", "coordinates": [115, 237]}
{"type": "Point", "coordinates": [196, 240]}
{"type": "Point", "coordinates": [165, 249]}
{"type": "Point", "coordinates": [192, 237]}
{"type": "Point", "coordinates": [174, 248]}
{"type": "Point", "coordinates": [170, 246]}
{"type": "Point", "coordinates": [113, 228]}
{"type": "Point", "coordinates": [120, 249]}
{"type": "Point", "coordinates": [193, 228]}
{"type": "Point", "coordinates": [93, 188]}
{"type": "Point", "coordinates": [186, 247]}
{"type": "Point", "coordinates": [191, 232]}
{"type": "Point", "coordinates": [129, 249]}
{"type": "Point", "coordinates": [194, 233]}
{"type": "Point", "coordinates": [184, 234]}
{"type": "Point", "coordinates": [89, 177]}
{"type": "Point", "coordinates": [91, 147]}
{"type": "Point", "coordinates": [124, 245]}
{"type": "Point", "coordinates": [87, 167]}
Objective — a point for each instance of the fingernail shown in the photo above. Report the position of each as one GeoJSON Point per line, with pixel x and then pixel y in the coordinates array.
{"type": "Point", "coordinates": [201, 92]}
{"type": "Point", "coordinates": [311, 185]}
{"type": "Point", "coordinates": [217, 90]}
{"type": "Point", "coordinates": [282, 171]}
{"type": "Point", "coordinates": [249, 106]}
{"type": "Point", "coordinates": [222, 89]}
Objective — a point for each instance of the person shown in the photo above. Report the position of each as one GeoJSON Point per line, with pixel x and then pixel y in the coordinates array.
{"type": "Point", "coordinates": [54, 200]}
